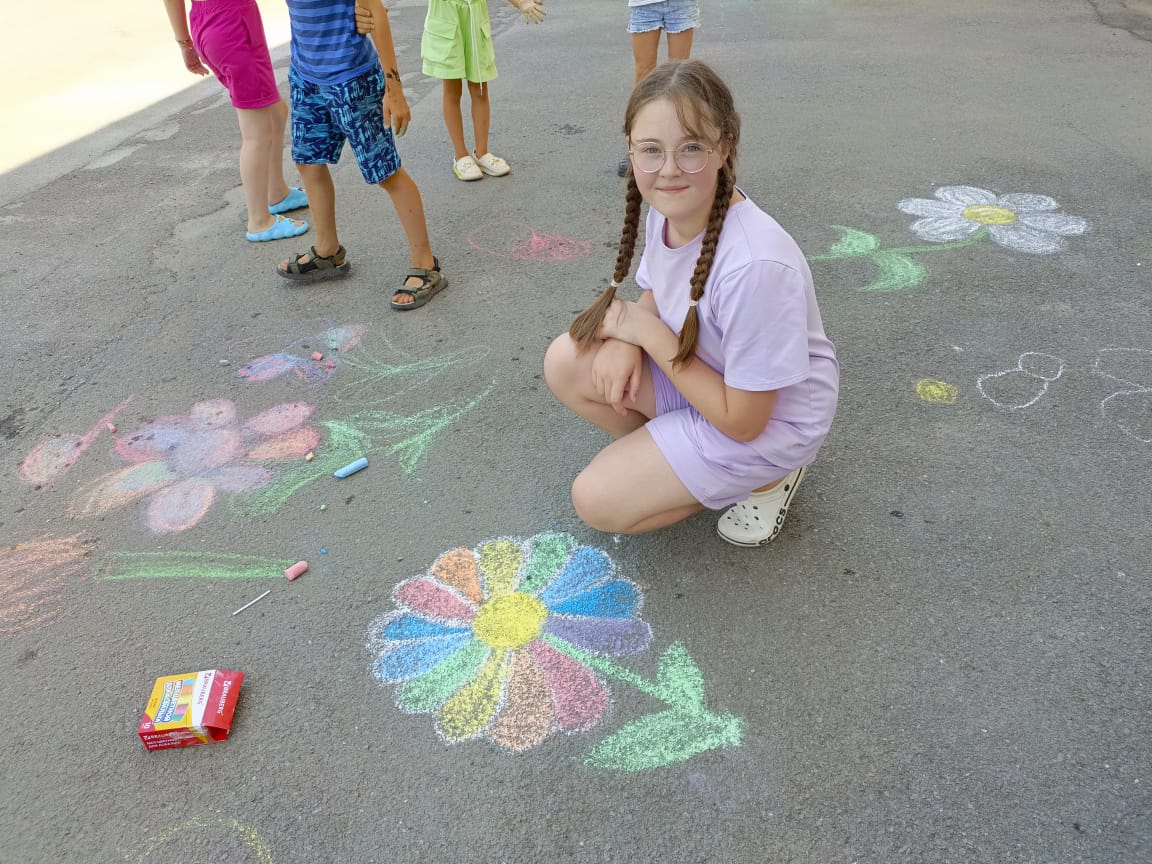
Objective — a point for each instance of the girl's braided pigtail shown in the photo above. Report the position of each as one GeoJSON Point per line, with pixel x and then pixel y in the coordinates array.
{"type": "Point", "coordinates": [725, 183]}
{"type": "Point", "coordinates": [585, 330]}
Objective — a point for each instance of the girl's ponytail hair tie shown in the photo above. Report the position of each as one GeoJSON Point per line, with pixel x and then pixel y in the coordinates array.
{"type": "Point", "coordinates": [692, 303]}
{"type": "Point", "coordinates": [614, 284]}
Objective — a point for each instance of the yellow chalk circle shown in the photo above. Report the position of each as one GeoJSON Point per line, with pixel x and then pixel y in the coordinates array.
{"type": "Point", "coordinates": [937, 392]}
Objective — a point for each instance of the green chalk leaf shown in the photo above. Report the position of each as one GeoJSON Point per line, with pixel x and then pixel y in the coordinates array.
{"type": "Point", "coordinates": [852, 244]}
{"type": "Point", "coordinates": [680, 680]}
{"type": "Point", "coordinates": [664, 739]}
{"type": "Point", "coordinates": [897, 272]}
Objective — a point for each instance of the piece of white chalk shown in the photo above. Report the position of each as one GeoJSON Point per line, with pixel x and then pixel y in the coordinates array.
{"type": "Point", "coordinates": [351, 468]}
{"type": "Point", "coordinates": [250, 602]}
{"type": "Point", "coordinates": [296, 569]}
{"type": "Point", "coordinates": [309, 456]}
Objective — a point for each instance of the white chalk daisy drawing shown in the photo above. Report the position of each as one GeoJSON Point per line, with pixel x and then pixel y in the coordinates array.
{"type": "Point", "coordinates": [1020, 221]}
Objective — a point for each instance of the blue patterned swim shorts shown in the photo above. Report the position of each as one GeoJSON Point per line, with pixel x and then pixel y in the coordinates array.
{"type": "Point", "coordinates": [324, 116]}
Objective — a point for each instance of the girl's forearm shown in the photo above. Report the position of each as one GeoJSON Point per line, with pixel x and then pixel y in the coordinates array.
{"type": "Point", "coordinates": [178, 18]}
{"type": "Point", "coordinates": [699, 383]}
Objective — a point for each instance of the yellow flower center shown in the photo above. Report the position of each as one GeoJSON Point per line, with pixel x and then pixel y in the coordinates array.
{"type": "Point", "coordinates": [510, 621]}
{"type": "Point", "coordinates": [988, 215]}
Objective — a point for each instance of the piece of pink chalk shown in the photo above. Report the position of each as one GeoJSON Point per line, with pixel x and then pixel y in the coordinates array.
{"type": "Point", "coordinates": [296, 569]}
{"type": "Point", "coordinates": [316, 355]}
{"type": "Point", "coordinates": [110, 426]}
{"type": "Point", "coordinates": [309, 456]}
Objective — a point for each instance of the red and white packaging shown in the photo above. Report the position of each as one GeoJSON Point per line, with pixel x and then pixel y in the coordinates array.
{"type": "Point", "coordinates": [193, 708]}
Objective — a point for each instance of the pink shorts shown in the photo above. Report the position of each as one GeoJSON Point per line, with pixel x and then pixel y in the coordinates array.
{"type": "Point", "coordinates": [229, 37]}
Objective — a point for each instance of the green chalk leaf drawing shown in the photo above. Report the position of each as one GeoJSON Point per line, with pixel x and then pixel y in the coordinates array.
{"type": "Point", "coordinates": [665, 738]}
{"type": "Point", "coordinates": [685, 730]}
{"type": "Point", "coordinates": [853, 243]}
{"type": "Point", "coordinates": [897, 272]}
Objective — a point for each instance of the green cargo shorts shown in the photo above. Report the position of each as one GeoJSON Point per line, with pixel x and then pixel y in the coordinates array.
{"type": "Point", "coordinates": [457, 42]}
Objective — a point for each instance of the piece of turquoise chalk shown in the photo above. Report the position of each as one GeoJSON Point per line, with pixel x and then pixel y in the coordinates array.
{"type": "Point", "coordinates": [352, 467]}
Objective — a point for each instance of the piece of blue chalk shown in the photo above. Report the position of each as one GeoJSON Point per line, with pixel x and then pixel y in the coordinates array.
{"type": "Point", "coordinates": [352, 467]}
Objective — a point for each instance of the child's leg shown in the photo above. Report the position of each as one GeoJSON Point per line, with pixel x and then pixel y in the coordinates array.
{"type": "Point", "coordinates": [481, 115]}
{"type": "Point", "coordinates": [277, 186]}
{"type": "Point", "coordinates": [257, 136]}
{"type": "Point", "coordinates": [630, 488]}
{"type": "Point", "coordinates": [453, 119]}
{"type": "Point", "coordinates": [644, 49]}
{"type": "Point", "coordinates": [680, 45]}
{"type": "Point", "coordinates": [322, 199]}
{"type": "Point", "coordinates": [569, 376]}
{"type": "Point", "coordinates": [401, 188]}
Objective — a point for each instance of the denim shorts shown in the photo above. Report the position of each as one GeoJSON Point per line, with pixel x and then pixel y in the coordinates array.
{"type": "Point", "coordinates": [672, 16]}
{"type": "Point", "coordinates": [325, 115]}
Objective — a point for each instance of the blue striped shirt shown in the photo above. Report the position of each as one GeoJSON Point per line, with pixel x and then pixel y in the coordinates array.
{"type": "Point", "coordinates": [326, 49]}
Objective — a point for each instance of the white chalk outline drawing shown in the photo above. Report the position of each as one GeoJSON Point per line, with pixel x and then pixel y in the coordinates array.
{"type": "Point", "coordinates": [1140, 389]}
{"type": "Point", "coordinates": [1020, 368]}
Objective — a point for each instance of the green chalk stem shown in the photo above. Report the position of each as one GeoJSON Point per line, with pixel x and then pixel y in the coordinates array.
{"type": "Point", "coordinates": [190, 565]}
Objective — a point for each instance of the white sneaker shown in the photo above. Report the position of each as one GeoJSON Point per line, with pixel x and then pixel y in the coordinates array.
{"type": "Point", "coordinates": [493, 165]}
{"type": "Point", "coordinates": [466, 168]}
{"type": "Point", "coordinates": [757, 520]}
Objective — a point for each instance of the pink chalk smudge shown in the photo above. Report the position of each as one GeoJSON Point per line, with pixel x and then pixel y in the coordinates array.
{"type": "Point", "coordinates": [522, 243]}
{"type": "Point", "coordinates": [55, 457]}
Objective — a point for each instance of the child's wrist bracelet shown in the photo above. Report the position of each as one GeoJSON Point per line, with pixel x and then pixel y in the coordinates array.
{"type": "Point", "coordinates": [184, 43]}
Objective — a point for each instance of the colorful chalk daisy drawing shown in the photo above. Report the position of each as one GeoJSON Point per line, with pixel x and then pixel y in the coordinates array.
{"type": "Point", "coordinates": [511, 642]}
{"type": "Point", "coordinates": [183, 463]}
{"type": "Point", "coordinates": [960, 216]}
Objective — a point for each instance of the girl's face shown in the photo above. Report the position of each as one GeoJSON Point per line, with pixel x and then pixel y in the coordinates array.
{"type": "Point", "coordinates": [684, 199]}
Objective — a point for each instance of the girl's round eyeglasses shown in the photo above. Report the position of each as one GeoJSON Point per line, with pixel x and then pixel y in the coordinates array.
{"type": "Point", "coordinates": [690, 157]}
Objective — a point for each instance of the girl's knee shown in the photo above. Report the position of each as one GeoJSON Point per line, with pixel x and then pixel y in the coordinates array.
{"type": "Point", "coordinates": [559, 360]}
{"type": "Point", "coordinates": [595, 503]}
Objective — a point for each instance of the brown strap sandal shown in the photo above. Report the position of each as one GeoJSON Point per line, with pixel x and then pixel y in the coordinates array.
{"type": "Point", "coordinates": [319, 268]}
{"type": "Point", "coordinates": [432, 282]}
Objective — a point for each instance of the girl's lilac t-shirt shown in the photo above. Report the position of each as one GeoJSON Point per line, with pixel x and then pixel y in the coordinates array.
{"type": "Point", "coordinates": [760, 326]}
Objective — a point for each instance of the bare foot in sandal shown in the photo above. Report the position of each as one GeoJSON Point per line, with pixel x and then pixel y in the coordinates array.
{"type": "Point", "coordinates": [311, 266]}
{"type": "Point", "coordinates": [421, 286]}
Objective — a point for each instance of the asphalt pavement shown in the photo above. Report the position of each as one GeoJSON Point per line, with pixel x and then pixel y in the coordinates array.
{"type": "Point", "coordinates": [943, 660]}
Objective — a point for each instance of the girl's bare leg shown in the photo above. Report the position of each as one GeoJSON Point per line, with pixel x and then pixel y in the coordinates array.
{"type": "Point", "coordinates": [481, 115]}
{"type": "Point", "coordinates": [453, 119]}
{"type": "Point", "coordinates": [645, 46]}
{"type": "Point", "coordinates": [256, 136]}
{"type": "Point", "coordinates": [680, 45]}
{"type": "Point", "coordinates": [629, 488]}
{"type": "Point", "coordinates": [569, 375]}
{"type": "Point", "coordinates": [277, 185]}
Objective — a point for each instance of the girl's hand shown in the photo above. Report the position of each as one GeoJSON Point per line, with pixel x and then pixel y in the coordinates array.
{"type": "Point", "coordinates": [625, 321]}
{"type": "Point", "coordinates": [532, 10]}
{"type": "Point", "coordinates": [616, 370]}
{"type": "Point", "coordinates": [192, 60]}
{"type": "Point", "coordinates": [364, 20]}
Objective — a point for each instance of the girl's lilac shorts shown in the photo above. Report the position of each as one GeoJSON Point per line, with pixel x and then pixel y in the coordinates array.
{"type": "Point", "coordinates": [716, 469]}
{"type": "Point", "coordinates": [229, 37]}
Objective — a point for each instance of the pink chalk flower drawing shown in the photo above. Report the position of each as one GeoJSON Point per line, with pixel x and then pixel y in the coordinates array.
{"type": "Point", "coordinates": [183, 463]}
{"type": "Point", "coordinates": [1019, 221]}
{"type": "Point", "coordinates": [511, 641]}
